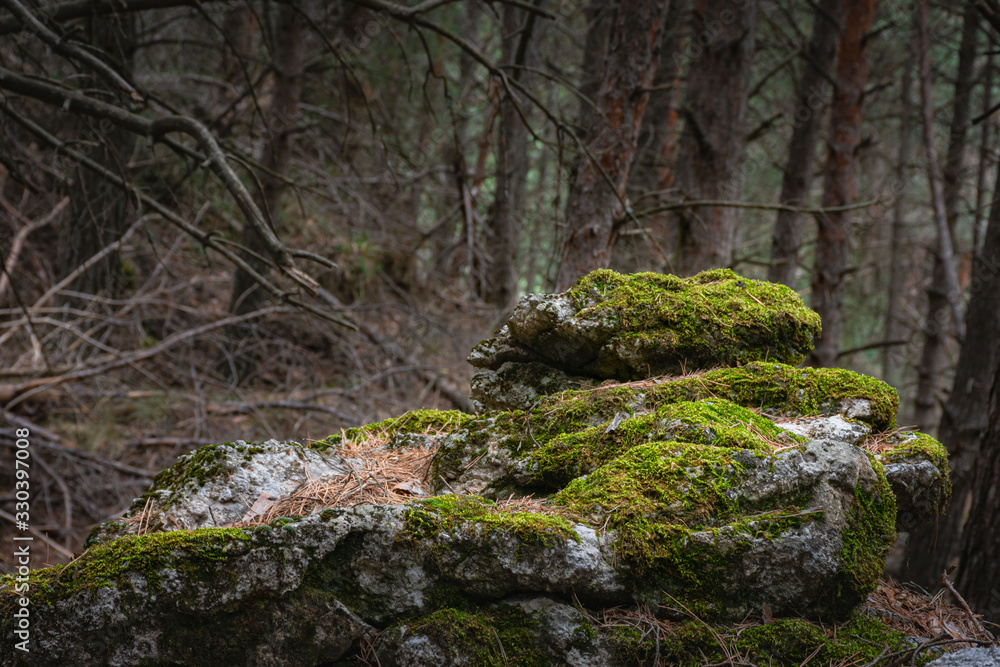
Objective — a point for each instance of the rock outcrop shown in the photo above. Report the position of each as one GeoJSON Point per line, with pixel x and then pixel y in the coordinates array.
{"type": "Point", "coordinates": [630, 327]}
{"type": "Point", "coordinates": [740, 485]}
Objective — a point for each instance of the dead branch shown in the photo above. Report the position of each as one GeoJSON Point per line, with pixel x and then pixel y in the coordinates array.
{"type": "Point", "coordinates": [74, 101]}
{"type": "Point", "coordinates": [22, 235]}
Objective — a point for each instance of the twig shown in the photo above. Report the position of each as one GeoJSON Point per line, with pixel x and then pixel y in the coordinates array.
{"type": "Point", "coordinates": [962, 603]}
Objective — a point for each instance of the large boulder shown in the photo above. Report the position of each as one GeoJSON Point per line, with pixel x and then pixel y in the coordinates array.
{"type": "Point", "coordinates": [718, 493]}
{"type": "Point", "coordinates": [629, 327]}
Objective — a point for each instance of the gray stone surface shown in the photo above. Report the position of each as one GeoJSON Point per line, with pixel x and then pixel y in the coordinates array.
{"type": "Point", "coordinates": [833, 427]}
{"type": "Point", "coordinates": [240, 596]}
{"type": "Point", "coordinates": [969, 657]}
{"type": "Point", "coordinates": [221, 484]}
{"type": "Point", "coordinates": [518, 385]}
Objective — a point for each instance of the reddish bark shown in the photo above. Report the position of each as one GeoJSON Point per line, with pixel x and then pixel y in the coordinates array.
{"type": "Point", "coordinates": [595, 204]}
{"type": "Point", "coordinates": [838, 179]}
{"type": "Point", "coordinates": [808, 117]}
{"type": "Point", "coordinates": [713, 142]}
{"type": "Point", "coordinates": [649, 245]}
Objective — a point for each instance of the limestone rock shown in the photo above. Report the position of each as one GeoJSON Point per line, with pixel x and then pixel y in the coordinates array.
{"type": "Point", "coordinates": [629, 327]}
{"type": "Point", "coordinates": [833, 427]}
{"type": "Point", "coordinates": [505, 445]}
{"type": "Point", "coordinates": [518, 385]}
{"type": "Point", "coordinates": [741, 528]}
{"type": "Point", "coordinates": [918, 472]}
{"type": "Point", "coordinates": [219, 485]}
{"type": "Point", "coordinates": [537, 630]}
{"type": "Point", "coordinates": [716, 492]}
{"type": "Point", "coordinates": [969, 657]}
{"type": "Point", "coordinates": [240, 596]}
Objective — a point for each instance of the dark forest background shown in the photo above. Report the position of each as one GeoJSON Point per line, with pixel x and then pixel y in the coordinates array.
{"type": "Point", "coordinates": [279, 218]}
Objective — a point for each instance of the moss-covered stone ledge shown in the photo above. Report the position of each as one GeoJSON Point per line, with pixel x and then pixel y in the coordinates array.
{"type": "Point", "coordinates": [497, 453]}
{"type": "Point", "coordinates": [298, 591]}
{"type": "Point", "coordinates": [804, 529]}
{"type": "Point", "coordinates": [917, 468]}
{"type": "Point", "coordinates": [629, 327]}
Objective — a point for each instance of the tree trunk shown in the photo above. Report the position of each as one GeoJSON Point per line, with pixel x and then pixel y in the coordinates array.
{"type": "Point", "coordinates": [649, 245]}
{"type": "Point", "coordinates": [972, 417]}
{"type": "Point", "coordinates": [808, 117]}
{"type": "Point", "coordinates": [713, 142]}
{"type": "Point", "coordinates": [600, 15]}
{"type": "Point", "coordinates": [98, 212]}
{"type": "Point", "coordinates": [838, 178]}
{"type": "Point", "coordinates": [943, 291]}
{"type": "Point", "coordinates": [964, 422]}
{"type": "Point", "coordinates": [287, 63]}
{"type": "Point", "coordinates": [512, 167]}
{"type": "Point", "coordinates": [594, 203]}
{"type": "Point", "coordinates": [894, 321]}
{"type": "Point", "coordinates": [984, 156]}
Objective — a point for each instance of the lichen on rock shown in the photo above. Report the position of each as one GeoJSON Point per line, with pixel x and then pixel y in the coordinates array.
{"type": "Point", "coordinates": [629, 327]}
{"type": "Point", "coordinates": [590, 480]}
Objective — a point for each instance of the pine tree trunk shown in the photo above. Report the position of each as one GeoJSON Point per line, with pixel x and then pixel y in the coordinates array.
{"type": "Point", "coordinates": [838, 179]}
{"type": "Point", "coordinates": [512, 168]}
{"type": "Point", "coordinates": [595, 204]}
{"type": "Point", "coordinates": [809, 105]}
{"type": "Point", "coordinates": [984, 156]}
{"type": "Point", "coordinates": [288, 62]}
{"type": "Point", "coordinates": [713, 142]}
{"type": "Point", "coordinates": [649, 245]}
{"type": "Point", "coordinates": [934, 358]}
{"type": "Point", "coordinates": [98, 209]}
{"type": "Point", "coordinates": [965, 422]}
{"type": "Point", "coordinates": [972, 426]}
{"type": "Point", "coordinates": [895, 327]}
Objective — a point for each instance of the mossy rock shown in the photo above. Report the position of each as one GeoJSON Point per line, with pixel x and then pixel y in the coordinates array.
{"type": "Point", "coordinates": [715, 422]}
{"type": "Point", "coordinates": [918, 471]}
{"type": "Point", "coordinates": [782, 643]}
{"type": "Point", "coordinates": [528, 631]}
{"type": "Point", "coordinates": [777, 389]}
{"type": "Point", "coordinates": [629, 327]}
{"type": "Point", "coordinates": [726, 530]}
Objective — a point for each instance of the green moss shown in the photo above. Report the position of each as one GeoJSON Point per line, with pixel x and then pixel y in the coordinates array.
{"type": "Point", "coordinates": [415, 422]}
{"type": "Point", "coordinates": [783, 643]}
{"type": "Point", "coordinates": [658, 482]}
{"type": "Point", "coordinates": [801, 391]}
{"type": "Point", "coordinates": [505, 636]}
{"type": "Point", "coordinates": [918, 445]}
{"type": "Point", "coordinates": [681, 527]}
{"type": "Point", "coordinates": [195, 554]}
{"type": "Point", "coordinates": [762, 386]}
{"type": "Point", "coordinates": [867, 540]}
{"type": "Point", "coordinates": [448, 514]}
{"type": "Point", "coordinates": [192, 471]}
{"type": "Point", "coordinates": [713, 318]}
{"type": "Point", "coordinates": [709, 422]}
